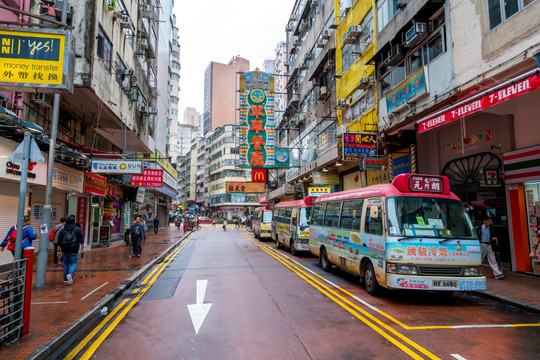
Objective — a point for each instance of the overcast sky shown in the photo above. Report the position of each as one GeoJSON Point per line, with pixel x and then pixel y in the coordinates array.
{"type": "Point", "coordinates": [217, 30]}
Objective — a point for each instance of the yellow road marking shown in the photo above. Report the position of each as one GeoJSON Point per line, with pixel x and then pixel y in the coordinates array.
{"type": "Point", "coordinates": [103, 336]}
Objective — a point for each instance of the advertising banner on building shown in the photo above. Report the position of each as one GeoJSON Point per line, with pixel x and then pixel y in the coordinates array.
{"type": "Point", "coordinates": [82, 209]}
{"type": "Point", "coordinates": [117, 166]}
{"type": "Point", "coordinates": [321, 178]}
{"type": "Point", "coordinates": [256, 118]}
{"type": "Point", "coordinates": [95, 184]}
{"type": "Point", "coordinates": [149, 178]}
{"type": "Point", "coordinates": [357, 145]}
{"type": "Point", "coordinates": [67, 178]}
{"type": "Point", "coordinates": [414, 86]}
{"type": "Point", "coordinates": [244, 187]}
{"type": "Point", "coordinates": [42, 59]}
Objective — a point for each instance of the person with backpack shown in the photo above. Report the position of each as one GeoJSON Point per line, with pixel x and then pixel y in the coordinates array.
{"type": "Point", "coordinates": [11, 238]}
{"type": "Point", "coordinates": [53, 236]}
{"type": "Point", "coordinates": [69, 240]}
{"type": "Point", "coordinates": [137, 234]}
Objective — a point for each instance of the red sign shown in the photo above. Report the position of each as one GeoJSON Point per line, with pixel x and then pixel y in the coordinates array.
{"type": "Point", "coordinates": [258, 175]}
{"type": "Point", "coordinates": [95, 184]}
{"type": "Point", "coordinates": [262, 199]}
{"type": "Point", "coordinates": [433, 184]}
{"type": "Point", "coordinates": [82, 205]}
{"type": "Point", "coordinates": [496, 97]}
{"type": "Point", "coordinates": [149, 178]}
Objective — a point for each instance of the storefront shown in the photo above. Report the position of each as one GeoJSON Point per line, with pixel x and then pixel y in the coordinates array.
{"type": "Point", "coordinates": [522, 175]}
{"type": "Point", "coordinates": [113, 206]}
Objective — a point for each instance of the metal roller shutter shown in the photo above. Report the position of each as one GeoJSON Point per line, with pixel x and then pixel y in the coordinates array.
{"type": "Point", "coordinates": [9, 203]}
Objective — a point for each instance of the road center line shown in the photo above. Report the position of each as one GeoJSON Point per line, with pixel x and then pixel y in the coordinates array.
{"type": "Point", "coordinates": [93, 291]}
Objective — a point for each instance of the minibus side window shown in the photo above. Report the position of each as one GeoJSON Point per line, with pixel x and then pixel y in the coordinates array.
{"type": "Point", "coordinates": [331, 215]}
{"type": "Point", "coordinates": [373, 223]}
{"type": "Point", "coordinates": [351, 215]}
{"type": "Point", "coordinates": [317, 214]}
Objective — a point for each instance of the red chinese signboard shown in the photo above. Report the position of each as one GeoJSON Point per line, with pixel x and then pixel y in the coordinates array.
{"type": "Point", "coordinates": [433, 184]}
{"type": "Point", "coordinates": [258, 175]}
{"type": "Point", "coordinates": [95, 184]}
{"type": "Point", "coordinates": [149, 178]}
{"type": "Point", "coordinates": [496, 97]}
{"type": "Point", "coordinates": [82, 205]}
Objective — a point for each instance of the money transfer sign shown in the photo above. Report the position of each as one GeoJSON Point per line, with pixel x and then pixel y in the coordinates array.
{"type": "Point", "coordinates": [39, 59]}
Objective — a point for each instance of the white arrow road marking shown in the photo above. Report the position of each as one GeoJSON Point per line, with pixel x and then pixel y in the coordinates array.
{"type": "Point", "coordinates": [199, 310]}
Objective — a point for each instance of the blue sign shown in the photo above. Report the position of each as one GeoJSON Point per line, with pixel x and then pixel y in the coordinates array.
{"type": "Point", "coordinates": [412, 87]}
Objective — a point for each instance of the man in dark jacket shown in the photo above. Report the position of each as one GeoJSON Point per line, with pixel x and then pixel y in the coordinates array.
{"type": "Point", "coordinates": [136, 234]}
{"type": "Point", "coordinates": [69, 240]}
{"type": "Point", "coordinates": [487, 236]}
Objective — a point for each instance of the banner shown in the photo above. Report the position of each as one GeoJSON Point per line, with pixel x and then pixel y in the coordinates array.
{"type": "Point", "coordinates": [95, 184]}
{"type": "Point", "coordinates": [149, 178]}
{"type": "Point", "coordinates": [256, 118]}
{"type": "Point", "coordinates": [117, 167]}
{"type": "Point", "coordinates": [245, 187]}
{"type": "Point", "coordinates": [357, 145]}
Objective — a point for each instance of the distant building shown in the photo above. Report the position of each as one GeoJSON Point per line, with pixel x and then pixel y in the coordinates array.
{"type": "Point", "coordinates": [193, 118]}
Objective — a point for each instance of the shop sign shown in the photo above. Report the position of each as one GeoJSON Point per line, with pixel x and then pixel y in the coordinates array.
{"type": "Point", "coordinates": [318, 191]}
{"type": "Point", "coordinates": [82, 208]}
{"type": "Point", "coordinates": [127, 213]}
{"type": "Point", "coordinates": [104, 233]}
{"type": "Point", "coordinates": [401, 163]}
{"type": "Point", "coordinates": [258, 175]}
{"type": "Point", "coordinates": [238, 198]}
{"type": "Point", "coordinates": [165, 190]}
{"type": "Point", "coordinates": [282, 158]}
{"type": "Point", "coordinates": [95, 184]}
{"type": "Point", "coordinates": [491, 178]}
{"type": "Point", "coordinates": [462, 143]}
{"type": "Point", "coordinates": [321, 178]}
{"type": "Point", "coordinates": [140, 194]}
{"type": "Point", "coordinates": [37, 172]}
{"type": "Point", "coordinates": [256, 131]}
{"type": "Point", "coordinates": [357, 145]}
{"type": "Point", "coordinates": [150, 178]}
{"type": "Point", "coordinates": [36, 58]}
{"type": "Point", "coordinates": [486, 195]}
{"type": "Point", "coordinates": [117, 167]}
{"type": "Point", "coordinates": [263, 199]}
{"type": "Point", "coordinates": [511, 91]}
{"type": "Point", "coordinates": [245, 187]}
{"type": "Point", "coordinates": [115, 192]}
{"type": "Point", "coordinates": [433, 184]}
{"type": "Point", "coordinates": [67, 178]}
{"type": "Point", "coordinates": [411, 88]}
{"type": "Point", "coordinates": [374, 177]}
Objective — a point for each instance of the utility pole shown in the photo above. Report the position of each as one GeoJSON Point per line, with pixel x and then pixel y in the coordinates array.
{"type": "Point", "coordinates": [41, 269]}
{"type": "Point", "coordinates": [22, 193]}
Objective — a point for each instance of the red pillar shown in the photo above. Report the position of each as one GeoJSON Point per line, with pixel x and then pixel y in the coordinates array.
{"type": "Point", "coordinates": [29, 256]}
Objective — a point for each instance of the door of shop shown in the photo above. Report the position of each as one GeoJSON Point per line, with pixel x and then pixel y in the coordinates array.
{"type": "Point", "coordinates": [482, 195]}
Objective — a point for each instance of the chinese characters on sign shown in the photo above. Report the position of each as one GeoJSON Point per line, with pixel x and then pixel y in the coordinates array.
{"type": "Point", "coordinates": [95, 184]}
{"type": "Point", "coordinates": [244, 187]}
{"type": "Point", "coordinates": [149, 178]}
{"type": "Point", "coordinates": [117, 167]}
{"type": "Point", "coordinates": [432, 184]}
{"type": "Point", "coordinates": [257, 141]}
{"type": "Point", "coordinates": [357, 145]}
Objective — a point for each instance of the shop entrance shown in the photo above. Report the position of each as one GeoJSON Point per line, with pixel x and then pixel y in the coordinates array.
{"type": "Point", "coordinates": [476, 180]}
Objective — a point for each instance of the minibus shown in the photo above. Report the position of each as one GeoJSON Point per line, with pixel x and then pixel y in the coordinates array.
{"type": "Point", "coordinates": [262, 222]}
{"type": "Point", "coordinates": [290, 224]}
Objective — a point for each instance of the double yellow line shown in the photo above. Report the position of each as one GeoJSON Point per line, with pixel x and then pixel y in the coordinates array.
{"type": "Point", "coordinates": [390, 334]}
{"type": "Point", "coordinates": [140, 291]}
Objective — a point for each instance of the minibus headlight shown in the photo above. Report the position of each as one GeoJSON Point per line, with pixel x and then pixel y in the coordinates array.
{"type": "Point", "coordinates": [391, 268]}
{"type": "Point", "coordinates": [405, 269]}
{"type": "Point", "coordinates": [471, 271]}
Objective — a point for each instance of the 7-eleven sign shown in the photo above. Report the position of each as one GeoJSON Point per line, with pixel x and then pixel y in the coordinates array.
{"type": "Point", "coordinates": [491, 177]}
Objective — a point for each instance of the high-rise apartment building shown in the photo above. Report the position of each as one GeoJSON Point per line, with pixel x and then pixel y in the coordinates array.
{"type": "Point", "coordinates": [174, 89]}
{"type": "Point", "coordinates": [221, 82]}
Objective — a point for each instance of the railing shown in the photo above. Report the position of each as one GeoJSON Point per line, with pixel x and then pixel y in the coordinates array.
{"type": "Point", "coordinates": [12, 278]}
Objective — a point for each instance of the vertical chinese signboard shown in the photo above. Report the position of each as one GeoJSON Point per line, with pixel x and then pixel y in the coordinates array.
{"type": "Point", "coordinates": [257, 139]}
{"type": "Point", "coordinates": [357, 145]}
{"type": "Point", "coordinates": [82, 208]}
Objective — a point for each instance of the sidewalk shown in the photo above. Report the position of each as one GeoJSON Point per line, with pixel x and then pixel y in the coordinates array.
{"type": "Point", "coordinates": [101, 276]}
{"type": "Point", "coordinates": [104, 273]}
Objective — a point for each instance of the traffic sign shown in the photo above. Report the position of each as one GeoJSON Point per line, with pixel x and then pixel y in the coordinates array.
{"type": "Point", "coordinates": [35, 153]}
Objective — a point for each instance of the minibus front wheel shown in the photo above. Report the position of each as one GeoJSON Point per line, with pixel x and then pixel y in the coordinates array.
{"type": "Point", "coordinates": [323, 259]}
{"type": "Point", "coordinates": [370, 280]}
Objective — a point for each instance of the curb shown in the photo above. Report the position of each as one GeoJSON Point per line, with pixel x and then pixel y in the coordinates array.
{"type": "Point", "coordinates": [53, 344]}
{"type": "Point", "coordinates": [508, 300]}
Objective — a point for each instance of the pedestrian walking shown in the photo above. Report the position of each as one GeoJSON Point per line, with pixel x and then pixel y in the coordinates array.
{"type": "Point", "coordinates": [136, 235]}
{"type": "Point", "coordinates": [224, 224]}
{"type": "Point", "coordinates": [56, 233]}
{"type": "Point", "coordinates": [487, 236]}
{"type": "Point", "coordinates": [156, 225]}
{"type": "Point", "coordinates": [213, 222]}
{"type": "Point", "coordinates": [534, 252]}
{"type": "Point", "coordinates": [198, 225]}
{"type": "Point", "coordinates": [11, 238]}
{"type": "Point", "coordinates": [69, 240]}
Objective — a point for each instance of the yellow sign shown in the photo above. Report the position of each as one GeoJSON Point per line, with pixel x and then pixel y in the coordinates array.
{"type": "Point", "coordinates": [245, 187]}
{"type": "Point", "coordinates": [316, 191]}
{"type": "Point", "coordinates": [34, 58]}
{"type": "Point", "coordinates": [377, 177]}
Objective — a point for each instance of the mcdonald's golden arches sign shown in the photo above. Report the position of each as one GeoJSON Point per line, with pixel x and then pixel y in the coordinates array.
{"type": "Point", "coordinates": [258, 175]}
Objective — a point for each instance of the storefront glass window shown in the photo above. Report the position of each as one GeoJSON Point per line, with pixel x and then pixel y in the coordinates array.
{"type": "Point", "coordinates": [532, 198]}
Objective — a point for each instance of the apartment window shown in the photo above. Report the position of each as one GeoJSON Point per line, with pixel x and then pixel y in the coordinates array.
{"type": "Point", "coordinates": [120, 70]}
{"type": "Point", "coordinates": [501, 10]}
{"type": "Point", "coordinates": [104, 49]}
{"type": "Point", "coordinates": [385, 11]}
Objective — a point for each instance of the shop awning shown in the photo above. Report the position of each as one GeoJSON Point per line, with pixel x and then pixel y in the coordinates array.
{"type": "Point", "coordinates": [522, 165]}
{"type": "Point", "coordinates": [510, 89]}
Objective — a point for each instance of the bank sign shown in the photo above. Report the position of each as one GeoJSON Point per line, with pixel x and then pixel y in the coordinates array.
{"type": "Point", "coordinates": [256, 118]}
{"type": "Point", "coordinates": [41, 60]}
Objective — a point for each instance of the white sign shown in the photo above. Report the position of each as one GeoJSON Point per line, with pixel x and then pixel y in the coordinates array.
{"type": "Point", "coordinates": [37, 172]}
{"type": "Point", "coordinates": [140, 194]}
{"type": "Point", "coordinates": [117, 167]}
{"type": "Point", "coordinates": [67, 178]}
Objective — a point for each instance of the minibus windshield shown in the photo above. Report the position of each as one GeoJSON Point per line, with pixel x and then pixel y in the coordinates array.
{"type": "Point", "coordinates": [428, 217]}
{"type": "Point", "coordinates": [305, 214]}
{"type": "Point", "coordinates": [267, 217]}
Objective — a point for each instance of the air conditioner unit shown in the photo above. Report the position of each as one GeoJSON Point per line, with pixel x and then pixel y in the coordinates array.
{"type": "Point", "coordinates": [394, 55]}
{"type": "Point", "coordinates": [321, 43]}
{"type": "Point", "coordinates": [366, 82]}
{"type": "Point", "coordinates": [343, 102]}
{"type": "Point", "coordinates": [145, 10]}
{"type": "Point", "coordinates": [143, 43]}
{"type": "Point", "coordinates": [416, 34]}
{"type": "Point", "coordinates": [288, 28]}
{"type": "Point", "coordinates": [143, 109]}
{"type": "Point", "coordinates": [355, 30]}
{"type": "Point", "coordinates": [126, 84]}
{"type": "Point", "coordinates": [326, 34]}
{"type": "Point", "coordinates": [123, 21]}
{"type": "Point", "coordinates": [152, 110]}
{"type": "Point", "coordinates": [42, 99]}
{"type": "Point", "coordinates": [323, 94]}
{"type": "Point", "coordinates": [296, 42]}
{"type": "Point", "coordinates": [293, 17]}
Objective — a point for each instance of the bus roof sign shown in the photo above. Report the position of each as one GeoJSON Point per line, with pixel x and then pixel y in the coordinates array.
{"type": "Point", "coordinates": [422, 183]}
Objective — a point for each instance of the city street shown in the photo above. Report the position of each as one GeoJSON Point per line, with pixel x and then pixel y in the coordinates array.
{"type": "Point", "coordinates": [225, 295]}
